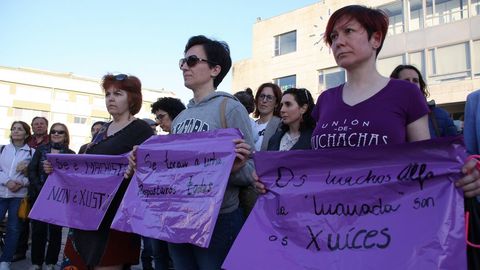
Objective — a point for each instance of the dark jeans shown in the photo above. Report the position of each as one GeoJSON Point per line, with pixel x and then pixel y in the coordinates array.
{"type": "Point", "coordinates": [11, 206]}
{"type": "Point", "coordinates": [22, 246]}
{"type": "Point", "coordinates": [191, 257]}
{"type": "Point", "coordinates": [157, 249]}
{"type": "Point", "coordinates": [40, 232]}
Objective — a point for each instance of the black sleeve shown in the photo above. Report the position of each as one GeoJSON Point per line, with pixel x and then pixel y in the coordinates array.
{"type": "Point", "coordinates": [34, 175]}
{"type": "Point", "coordinates": [143, 131]}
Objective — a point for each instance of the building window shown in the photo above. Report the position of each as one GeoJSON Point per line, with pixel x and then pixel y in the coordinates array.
{"type": "Point", "coordinates": [27, 115]}
{"type": "Point", "coordinates": [416, 15]}
{"type": "Point", "coordinates": [417, 59]}
{"type": "Point", "coordinates": [475, 4]}
{"type": "Point", "coordinates": [476, 57]}
{"type": "Point", "coordinates": [61, 96]}
{"type": "Point", "coordinates": [395, 17]}
{"type": "Point", "coordinates": [82, 99]}
{"type": "Point", "coordinates": [445, 11]}
{"type": "Point", "coordinates": [42, 95]}
{"type": "Point", "coordinates": [387, 65]}
{"type": "Point", "coordinates": [286, 43]}
{"type": "Point", "coordinates": [331, 77]}
{"type": "Point", "coordinates": [286, 82]}
{"type": "Point", "coordinates": [60, 118]}
{"type": "Point", "coordinates": [449, 63]}
{"type": "Point", "coordinates": [99, 102]}
{"type": "Point", "coordinates": [79, 120]}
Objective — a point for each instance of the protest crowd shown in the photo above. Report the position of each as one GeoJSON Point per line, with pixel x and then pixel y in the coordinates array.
{"type": "Point", "coordinates": [396, 109]}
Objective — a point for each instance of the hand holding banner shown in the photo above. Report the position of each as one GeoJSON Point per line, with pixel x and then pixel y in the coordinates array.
{"type": "Point", "coordinates": [389, 207]}
{"type": "Point", "coordinates": [77, 194]}
{"type": "Point", "coordinates": [177, 190]}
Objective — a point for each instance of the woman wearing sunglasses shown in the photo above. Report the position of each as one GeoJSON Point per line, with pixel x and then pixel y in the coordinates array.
{"type": "Point", "coordinates": [59, 140]}
{"type": "Point", "coordinates": [14, 183]}
{"type": "Point", "coordinates": [205, 65]}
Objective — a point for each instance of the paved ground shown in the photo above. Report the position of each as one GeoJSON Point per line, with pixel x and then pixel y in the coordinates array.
{"type": "Point", "coordinates": [25, 264]}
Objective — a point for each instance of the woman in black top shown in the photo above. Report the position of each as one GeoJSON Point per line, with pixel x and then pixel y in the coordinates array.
{"type": "Point", "coordinates": [106, 248]}
{"type": "Point", "coordinates": [59, 140]}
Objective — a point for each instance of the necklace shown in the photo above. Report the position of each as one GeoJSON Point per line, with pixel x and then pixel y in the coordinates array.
{"type": "Point", "coordinates": [287, 142]}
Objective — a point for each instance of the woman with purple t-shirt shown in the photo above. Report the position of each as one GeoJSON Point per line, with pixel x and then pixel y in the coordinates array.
{"type": "Point", "coordinates": [370, 109]}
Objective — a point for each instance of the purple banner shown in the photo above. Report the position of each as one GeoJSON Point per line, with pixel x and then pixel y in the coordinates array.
{"type": "Point", "coordinates": [389, 207]}
{"type": "Point", "coordinates": [178, 188]}
{"type": "Point", "coordinates": [77, 194]}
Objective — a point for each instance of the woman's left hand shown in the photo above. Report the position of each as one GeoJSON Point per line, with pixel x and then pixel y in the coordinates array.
{"type": "Point", "coordinates": [470, 183]}
{"type": "Point", "coordinates": [242, 151]}
{"type": "Point", "coordinates": [132, 163]}
{"type": "Point", "coordinates": [47, 167]}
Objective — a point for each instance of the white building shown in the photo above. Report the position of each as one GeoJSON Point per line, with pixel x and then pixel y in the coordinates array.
{"type": "Point", "coordinates": [440, 37]}
{"type": "Point", "coordinates": [60, 97]}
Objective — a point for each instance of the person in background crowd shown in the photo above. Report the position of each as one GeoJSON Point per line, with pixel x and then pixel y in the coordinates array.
{"type": "Point", "coordinates": [93, 130]}
{"type": "Point", "coordinates": [39, 137]}
{"type": "Point", "coordinates": [439, 122]}
{"type": "Point", "coordinates": [297, 126]}
{"type": "Point", "coordinates": [106, 248]}
{"type": "Point", "coordinates": [459, 124]}
{"type": "Point", "coordinates": [153, 125]}
{"type": "Point", "coordinates": [14, 183]}
{"type": "Point", "coordinates": [246, 98]}
{"type": "Point", "coordinates": [248, 101]}
{"type": "Point", "coordinates": [165, 110]}
{"type": "Point", "coordinates": [267, 110]}
{"type": "Point", "coordinates": [41, 231]}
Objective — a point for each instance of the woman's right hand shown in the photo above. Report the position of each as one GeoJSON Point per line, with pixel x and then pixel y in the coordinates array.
{"type": "Point", "coordinates": [259, 186]}
{"type": "Point", "coordinates": [47, 167]}
{"type": "Point", "coordinates": [132, 163]}
{"type": "Point", "coordinates": [13, 186]}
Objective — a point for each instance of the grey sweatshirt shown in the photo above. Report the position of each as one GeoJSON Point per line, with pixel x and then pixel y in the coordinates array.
{"type": "Point", "coordinates": [205, 116]}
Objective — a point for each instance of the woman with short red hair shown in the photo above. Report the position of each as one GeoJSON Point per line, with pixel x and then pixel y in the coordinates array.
{"type": "Point", "coordinates": [106, 248]}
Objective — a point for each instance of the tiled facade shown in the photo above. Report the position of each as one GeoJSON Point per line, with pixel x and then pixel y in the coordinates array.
{"type": "Point", "coordinates": [60, 97]}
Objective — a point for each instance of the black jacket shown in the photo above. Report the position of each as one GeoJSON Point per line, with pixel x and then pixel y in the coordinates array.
{"type": "Point", "coordinates": [304, 142]}
{"type": "Point", "coordinates": [36, 174]}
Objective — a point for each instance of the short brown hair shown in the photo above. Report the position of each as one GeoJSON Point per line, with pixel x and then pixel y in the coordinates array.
{"type": "Point", "coordinates": [373, 20]}
{"type": "Point", "coordinates": [130, 84]}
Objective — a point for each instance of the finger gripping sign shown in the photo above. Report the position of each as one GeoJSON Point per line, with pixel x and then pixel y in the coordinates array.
{"type": "Point", "coordinates": [79, 190]}
{"type": "Point", "coordinates": [389, 207]}
{"type": "Point", "coordinates": [177, 190]}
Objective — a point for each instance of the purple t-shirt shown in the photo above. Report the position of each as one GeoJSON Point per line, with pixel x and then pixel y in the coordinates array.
{"type": "Point", "coordinates": [380, 119]}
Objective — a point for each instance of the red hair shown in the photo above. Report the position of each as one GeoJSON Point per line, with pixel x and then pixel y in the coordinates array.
{"type": "Point", "coordinates": [130, 84]}
{"type": "Point", "coordinates": [373, 20]}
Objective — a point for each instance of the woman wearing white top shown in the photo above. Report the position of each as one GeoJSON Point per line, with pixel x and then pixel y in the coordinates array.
{"type": "Point", "coordinates": [13, 160]}
{"type": "Point", "coordinates": [267, 109]}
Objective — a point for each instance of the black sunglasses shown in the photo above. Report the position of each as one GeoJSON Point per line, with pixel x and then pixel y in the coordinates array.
{"type": "Point", "coordinates": [59, 132]}
{"type": "Point", "coordinates": [120, 77]}
{"type": "Point", "coordinates": [193, 60]}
